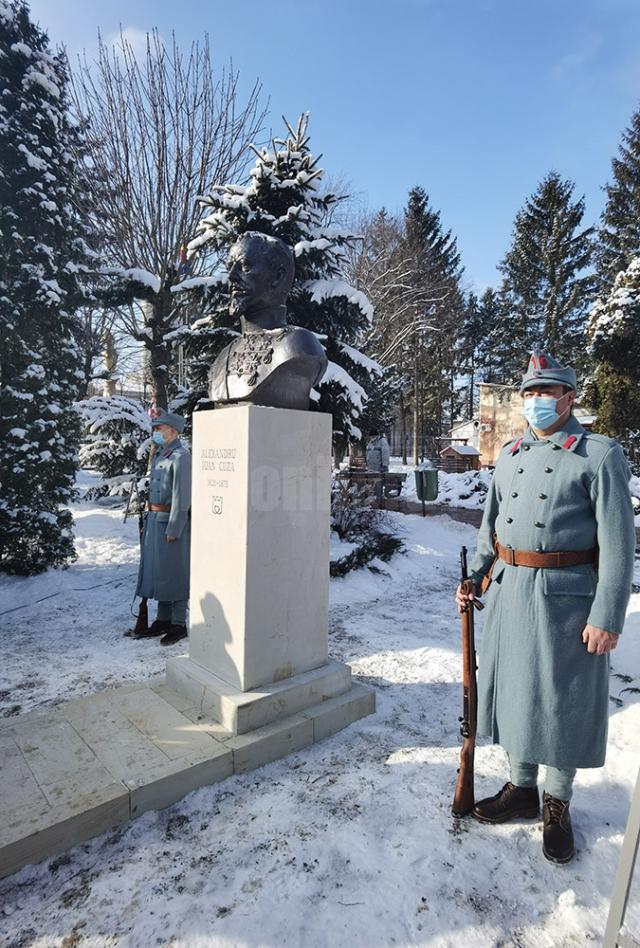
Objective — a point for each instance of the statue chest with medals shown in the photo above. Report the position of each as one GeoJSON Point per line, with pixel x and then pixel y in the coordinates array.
{"type": "Point", "coordinates": [274, 367]}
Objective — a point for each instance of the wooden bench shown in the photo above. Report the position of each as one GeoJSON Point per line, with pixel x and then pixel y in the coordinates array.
{"type": "Point", "coordinates": [387, 485]}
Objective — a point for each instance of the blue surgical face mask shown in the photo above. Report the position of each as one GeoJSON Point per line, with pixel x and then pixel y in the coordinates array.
{"type": "Point", "coordinates": [158, 438]}
{"type": "Point", "coordinates": [541, 411]}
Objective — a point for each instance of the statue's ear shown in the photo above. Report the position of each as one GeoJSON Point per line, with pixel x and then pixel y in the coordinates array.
{"type": "Point", "coordinates": [278, 278]}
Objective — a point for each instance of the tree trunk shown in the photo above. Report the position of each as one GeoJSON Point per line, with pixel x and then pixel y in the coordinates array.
{"type": "Point", "coordinates": [403, 428]}
{"type": "Point", "coordinates": [158, 316]}
{"type": "Point", "coordinates": [111, 362]}
{"type": "Point", "coordinates": [471, 385]}
{"type": "Point", "coordinates": [416, 407]}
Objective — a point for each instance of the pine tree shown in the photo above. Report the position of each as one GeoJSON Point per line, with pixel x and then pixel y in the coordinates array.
{"type": "Point", "coordinates": [436, 272]}
{"type": "Point", "coordinates": [614, 343]}
{"type": "Point", "coordinates": [547, 287]}
{"type": "Point", "coordinates": [507, 337]}
{"type": "Point", "coordinates": [470, 353]}
{"type": "Point", "coordinates": [284, 199]}
{"type": "Point", "coordinates": [41, 255]}
{"type": "Point", "coordinates": [619, 234]}
{"type": "Point", "coordinates": [117, 435]}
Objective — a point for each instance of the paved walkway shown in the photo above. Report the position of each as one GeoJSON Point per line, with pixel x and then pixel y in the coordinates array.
{"type": "Point", "coordinates": [97, 762]}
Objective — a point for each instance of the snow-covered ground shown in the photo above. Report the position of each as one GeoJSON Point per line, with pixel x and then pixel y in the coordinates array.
{"type": "Point", "coordinates": [350, 842]}
{"type": "Point", "coordinates": [464, 489]}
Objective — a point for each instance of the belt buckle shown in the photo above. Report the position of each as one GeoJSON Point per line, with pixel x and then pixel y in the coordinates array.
{"type": "Point", "coordinates": [511, 556]}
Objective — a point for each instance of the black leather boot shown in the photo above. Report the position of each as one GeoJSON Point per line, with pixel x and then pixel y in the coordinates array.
{"type": "Point", "coordinates": [157, 627]}
{"type": "Point", "coordinates": [509, 804]}
{"type": "Point", "coordinates": [174, 634]}
{"type": "Point", "coordinates": [557, 833]}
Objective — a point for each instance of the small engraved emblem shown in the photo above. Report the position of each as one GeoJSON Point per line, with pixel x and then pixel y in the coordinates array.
{"type": "Point", "coordinates": [216, 505]}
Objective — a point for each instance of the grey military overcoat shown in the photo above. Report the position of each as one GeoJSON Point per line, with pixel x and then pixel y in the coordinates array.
{"type": "Point", "coordinates": [540, 694]}
{"type": "Point", "coordinates": [164, 566]}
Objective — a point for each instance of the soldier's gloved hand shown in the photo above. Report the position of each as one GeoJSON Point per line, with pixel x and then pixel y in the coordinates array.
{"type": "Point", "coordinates": [170, 539]}
{"type": "Point", "coordinates": [598, 641]}
{"type": "Point", "coordinates": [463, 596]}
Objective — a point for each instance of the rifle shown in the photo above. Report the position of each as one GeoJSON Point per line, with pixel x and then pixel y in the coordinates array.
{"type": "Point", "coordinates": [142, 619]}
{"type": "Point", "coordinates": [463, 799]}
{"type": "Point", "coordinates": [132, 490]}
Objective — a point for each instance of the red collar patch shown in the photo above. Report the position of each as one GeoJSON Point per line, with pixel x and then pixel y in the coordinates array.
{"type": "Point", "coordinates": [569, 443]}
{"type": "Point", "coordinates": [516, 445]}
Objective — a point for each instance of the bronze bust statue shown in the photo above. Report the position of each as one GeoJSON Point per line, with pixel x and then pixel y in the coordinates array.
{"type": "Point", "coordinates": [270, 363]}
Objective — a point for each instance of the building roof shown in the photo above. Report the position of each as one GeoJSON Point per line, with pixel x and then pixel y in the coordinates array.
{"type": "Point", "coordinates": [462, 449]}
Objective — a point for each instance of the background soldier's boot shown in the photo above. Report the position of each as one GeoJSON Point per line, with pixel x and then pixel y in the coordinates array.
{"type": "Point", "coordinates": [557, 833]}
{"type": "Point", "coordinates": [157, 627]}
{"type": "Point", "coordinates": [174, 634]}
{"type": "Point", "coordinates": [510, 803]}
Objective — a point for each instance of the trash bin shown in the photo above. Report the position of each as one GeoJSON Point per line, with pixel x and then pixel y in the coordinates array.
{"type": "Point", "coordinates": [426, 481]}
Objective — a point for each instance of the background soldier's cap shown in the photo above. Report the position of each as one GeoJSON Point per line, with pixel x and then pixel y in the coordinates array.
{"type": "Point", "coordinates": [544, 370]}
{"type": "Point", "coordinates": [168, 418]}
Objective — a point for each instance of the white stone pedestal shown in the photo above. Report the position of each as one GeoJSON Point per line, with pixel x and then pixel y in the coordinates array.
{"type": "Point", "coordinates": [260, 543]}
{"type": "Point", "coordinates": [260, 576]}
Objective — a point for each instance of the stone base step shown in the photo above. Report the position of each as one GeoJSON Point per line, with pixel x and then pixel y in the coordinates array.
{"type": "Point", "coordinates": [97, 762]}
{"type": "Point", "coordinates": [244, 711]}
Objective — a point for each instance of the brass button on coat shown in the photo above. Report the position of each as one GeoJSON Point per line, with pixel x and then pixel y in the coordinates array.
{"type": "Point", "coordinates": [520, 470]}
{"type": "Point", "coordinates": [514, 493]}
{"type": "Point", "coordinates": [509, 519]}
{"type": "Point", "coordinates": [542, 496]}
{"type": "Point", "coordinates": [548, 470]}
{"type": "Point", "coordinates": [527, 446]}
{"type": "Point", "coordinates": [538, 524]}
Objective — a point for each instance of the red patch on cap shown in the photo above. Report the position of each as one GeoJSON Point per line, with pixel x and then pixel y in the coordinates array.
{"type": "Point", "coordinates": [533, 361]}
{"type": "Point", "coordinates": [542, 362]}
{"type": "Point", "coordinates": [571, 440]}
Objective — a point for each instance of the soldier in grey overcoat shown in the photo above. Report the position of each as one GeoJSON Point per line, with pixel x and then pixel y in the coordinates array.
{"type": "Point", "coordinates": [558, 540]}
{"type": "Point", "coordinates": [378, 453]}
{"type": "Point", "coordinates": [164, 560]}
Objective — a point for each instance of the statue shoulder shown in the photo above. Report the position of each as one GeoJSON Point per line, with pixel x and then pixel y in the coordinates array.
{"type": "Point", "coordinates": [304, 342]}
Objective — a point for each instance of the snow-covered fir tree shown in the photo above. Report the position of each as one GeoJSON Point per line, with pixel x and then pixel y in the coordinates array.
{"type": "Point", "coordinates": [435, 273]}
{"type": "Point", "coordinates": [284, 199]}
{"type": "Point", "coordinates": [118, 435]}
{"type": "Point", "coordinates": [547, 284]}
{"type": "Point", "coordinates": [619, 234]}
{"type": "Point", "coordinates": [41, 256]}
{"type": "Point", "coordinates": [614, 344]}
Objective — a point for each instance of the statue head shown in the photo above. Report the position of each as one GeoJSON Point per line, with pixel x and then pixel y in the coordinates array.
{"type": "Point", "coordinates": [261, 270]}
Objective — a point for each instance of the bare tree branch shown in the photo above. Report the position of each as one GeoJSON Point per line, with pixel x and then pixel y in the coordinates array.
{"type": "Point", "coordinates": [161, 130]}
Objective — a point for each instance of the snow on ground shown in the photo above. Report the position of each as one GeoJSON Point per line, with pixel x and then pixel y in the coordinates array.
{"type": "Point", "coordinates": [464, 489]}
{"type": "Point", "coordinates": [350, 842]}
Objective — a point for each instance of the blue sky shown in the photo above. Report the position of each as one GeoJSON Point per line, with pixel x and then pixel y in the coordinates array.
{"type": "Point", "coordinates": [473, 99]}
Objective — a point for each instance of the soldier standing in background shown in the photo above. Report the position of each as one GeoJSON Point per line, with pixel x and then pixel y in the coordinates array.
{"type": "Point", "coordinates": [378, 461]}
{"type": "Point", "coordinates": [164, 561]}
{"type": "Point", "coordinates": [377, 453]}
{"type": "Point", "coordinates": [558, 528]}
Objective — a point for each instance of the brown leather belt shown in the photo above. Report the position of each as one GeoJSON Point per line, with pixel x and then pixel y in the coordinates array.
{"type": "Point", "coordinates": [546, 560]}
{"type": "Point", "coordinates": [160, 508]}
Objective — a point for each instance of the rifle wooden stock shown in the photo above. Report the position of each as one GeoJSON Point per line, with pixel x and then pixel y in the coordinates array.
{"type": "Point", "coordinates": [142, 621]}
{"type": "Point", "coordinates": [463, 799]}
